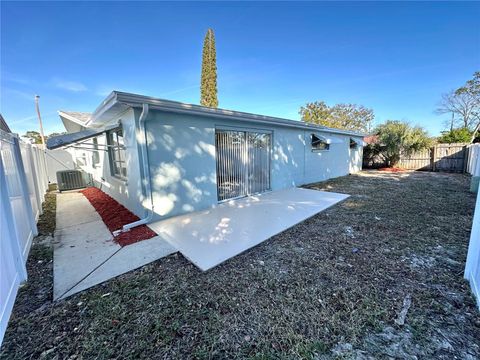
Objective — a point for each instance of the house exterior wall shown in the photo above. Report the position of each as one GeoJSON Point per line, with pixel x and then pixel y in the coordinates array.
{"type": "Point", "coordinates": [181, 151]}
{"type": "Point", "coordinates": [127, 192]}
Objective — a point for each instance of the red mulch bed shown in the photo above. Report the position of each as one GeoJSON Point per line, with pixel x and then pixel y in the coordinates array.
{"type": "Point", "coordinates": [392, 169]}
{"type": "Point", "coordinates": [115, 215]}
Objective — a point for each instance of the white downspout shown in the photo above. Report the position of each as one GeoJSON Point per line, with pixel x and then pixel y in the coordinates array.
{"type": "Point", "coordinates": [141, 128]}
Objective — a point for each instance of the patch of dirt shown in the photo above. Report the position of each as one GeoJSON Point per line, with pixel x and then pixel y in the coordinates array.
{"type": "Point", "coordinates": [334, 286]}
{"type": "Point", "coordinates": [392, 169]}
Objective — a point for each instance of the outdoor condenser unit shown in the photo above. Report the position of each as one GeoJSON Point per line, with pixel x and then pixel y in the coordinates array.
{"type": "Point", "coordinates": [72, 179]}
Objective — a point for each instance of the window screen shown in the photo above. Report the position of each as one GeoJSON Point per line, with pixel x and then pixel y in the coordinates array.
{"type": "Point", "coordinates": [319, 143]}
{"type": "Point", "coordinates": [95, 153]}
{"type": "Point", "coordinates": [116, 150]}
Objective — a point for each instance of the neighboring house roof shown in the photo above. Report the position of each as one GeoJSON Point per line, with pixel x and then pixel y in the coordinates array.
{"type": "Point", "coordinates": [371, 139]}
{"type": "Point", "coordinates": [117, 102]}
{"type": "Point", "coordinates": [74, 120]}
{"type": "Point", "coordinates": [3, 125]}
{"type": "Point", "coordinates": [76, 116]}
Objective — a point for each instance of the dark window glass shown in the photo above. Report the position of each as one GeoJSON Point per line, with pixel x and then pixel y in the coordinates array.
{"type": "Point", "coordinates": [319, 143]}
{"type": "Point", "coordinates": [353, 144]}
{"type": "Point", "coordinates": [95, 153]}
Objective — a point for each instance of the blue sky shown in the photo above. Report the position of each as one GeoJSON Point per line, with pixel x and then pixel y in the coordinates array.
{"type": "Point", "coordinates": [396, 58]}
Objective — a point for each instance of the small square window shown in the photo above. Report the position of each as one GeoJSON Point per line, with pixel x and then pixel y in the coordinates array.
{"type": "Point", "coordinates": [353, 144]}
{"type": "Point", "coordinates": [319, 143]}
{"type": "Point", "coordinates": [81, 158]}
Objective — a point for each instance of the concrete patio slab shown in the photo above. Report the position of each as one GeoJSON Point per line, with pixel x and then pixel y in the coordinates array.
{"type": "Point", "coordinates": [85, 253]}
{"type": "Point", "coordinates": [208, 238]}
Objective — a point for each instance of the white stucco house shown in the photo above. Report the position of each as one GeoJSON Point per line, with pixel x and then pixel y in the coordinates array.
{"type": "Point", "coordinates": [163, 158]}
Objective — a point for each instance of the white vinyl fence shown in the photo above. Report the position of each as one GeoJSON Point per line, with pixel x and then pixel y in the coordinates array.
{"type": "Point", "coordinates": [23, 183]}
{"type": "Point", "coordinates": [472, 267]}
{"type": "Point", "coordinates": [58, 160]}
{"type": "Point", "coordinates": [473, 164]}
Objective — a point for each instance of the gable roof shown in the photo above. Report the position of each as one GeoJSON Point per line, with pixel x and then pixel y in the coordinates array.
{"type": "Point", "coordinates": [118, 102]}
{"type": "Point", "coordinates": [74, 120]}
{"type": "Point", "coordinates": [76, 116]}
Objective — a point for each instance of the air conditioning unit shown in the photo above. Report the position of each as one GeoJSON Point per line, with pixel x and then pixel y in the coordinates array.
{"type": "Point", "coordinates": [72, 179]}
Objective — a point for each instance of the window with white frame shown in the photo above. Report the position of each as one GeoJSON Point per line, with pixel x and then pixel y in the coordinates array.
{"type": "Point", "coordinates": [80, 158]}
{"type": "Point", "coordinates": [95, 153]}
{"type": "Point", "coordinates": [319, 143]}
{"type": "Point", "coordinates": [116, 151]}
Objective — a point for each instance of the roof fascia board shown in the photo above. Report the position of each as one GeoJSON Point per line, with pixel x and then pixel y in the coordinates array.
{"type": "Point", "coordinates": [137, 101]}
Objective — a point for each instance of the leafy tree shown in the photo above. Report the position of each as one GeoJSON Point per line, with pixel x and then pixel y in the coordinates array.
{"type": "Point", "coordinates": [396, 138]}
{"type": "Point", "coordinates": [33, 136]}
{"type": "Point", "coordinates": [340, 116]}
{"type": "Point", "coordinates": [208, 87]}
{"type": "Point", "coordinates": [471, 90]}
{"type": "Point", "coordinates": [459, 135]}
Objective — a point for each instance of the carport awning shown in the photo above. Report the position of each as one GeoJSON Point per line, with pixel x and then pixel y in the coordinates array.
{"type": "Point", "coordinates": [71, 138]}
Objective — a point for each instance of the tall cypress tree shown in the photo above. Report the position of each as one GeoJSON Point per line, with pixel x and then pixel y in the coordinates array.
{"type": "Point", "coordinates": [208, 87]}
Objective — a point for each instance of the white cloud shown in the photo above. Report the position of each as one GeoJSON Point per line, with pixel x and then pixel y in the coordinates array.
{"type": "Point", "coordinates": [74, 86]}
{"type": "Point", "coordinates": [16, 78]}
{"type": "Point", "coordinates": [19, 94]}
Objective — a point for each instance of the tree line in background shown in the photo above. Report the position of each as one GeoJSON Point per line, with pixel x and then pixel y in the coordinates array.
{"type": "Point", "coordinates": [340, 116]}
{"type": "Point", "coordinates": [388, 141]}
{"type": "Point", "coordinates": [34, 137]}
{"type": "Point", "coordinates": [394, 138]}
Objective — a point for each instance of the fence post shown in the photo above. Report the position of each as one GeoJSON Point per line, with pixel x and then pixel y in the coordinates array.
{"type": "Point", "coordinates": [23, 181]}
{"type": "Point", "coordinates": [35, 178]}
{"type": "Point", "coordinates": [466, 151]}
{"type": "Point", "coordinates": [474, 182]}
{"type": "Point", "coordinates": [434, 156]}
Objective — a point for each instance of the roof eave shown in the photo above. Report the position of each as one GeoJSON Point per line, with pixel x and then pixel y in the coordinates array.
{"type": "Point", "coordinates": [112, 106]}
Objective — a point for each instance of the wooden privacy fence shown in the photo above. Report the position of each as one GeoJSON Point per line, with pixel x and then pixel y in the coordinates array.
{"type": "Point", "coordinates": [441, 157]}
{"type": "Point", "coordinates": [23, 183]}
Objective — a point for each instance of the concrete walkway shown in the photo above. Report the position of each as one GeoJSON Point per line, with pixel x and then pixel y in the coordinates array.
{"type": "Point", "coordinates": [84, 252]}
{"type": "Point", "coordinates": [207, 238]}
